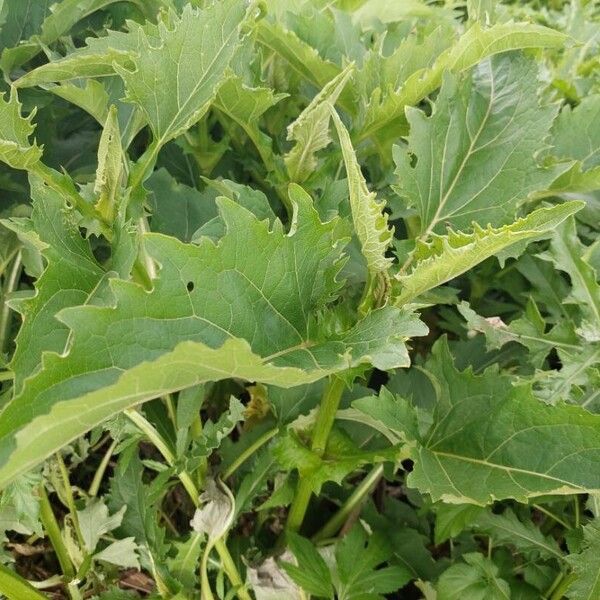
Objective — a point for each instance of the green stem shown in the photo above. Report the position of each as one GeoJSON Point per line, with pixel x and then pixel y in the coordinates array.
{"type": "Point", "coordinates": [248, 452]}
{"type": "Point", "coordinates": [171, 410]}
{"type": "Point", "coordinates": [354, 501]}
{"type": "Point", "coordinates": [6, 376]}
{"type": "Point", "coordinates": [227, 563]}
{"type": "Point", "coordinates": [143, 167]}
{"type": "Point", "coordinates": [325, 418]}
{"type": "Point", "coordinates": [148, 429]}
{"type": "Point", "coordinates": [14, 587]}
{"type": "Point", "coordinates": [560, 586]}
{"type": "Point", "coordinates": [68, 491]}
{"type": "Point", "coordinates": [577, 516]}
{"type": "Point", "coordinates": [10, 285]}
{"type": "Point", "coordinates": [53, 532]}
{"type": "Point", "coordinates": [101, 470]}
{"type": "Point", "coordinates": [552, 516]}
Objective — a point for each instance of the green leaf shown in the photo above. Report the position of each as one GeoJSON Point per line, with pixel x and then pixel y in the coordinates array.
{"type": "Point", "coordinates": [485, 441]}
{"type": "Point", "coordinates": [444, 257]}
{"type": "Point", "coordinates": [531, 330]}
{"type": "Point", "coordinates": [476, 154]}
{"type": "Point", "coordinates": [184, 565]}
{"type": "Point", "coordinates": [121, 553]}
{"type": "Point", "coordinates": [586, 565]}
{"type": "Point", "coordinates": [110, 168]}
{"type": "Point", "coordinates": [357, 559]}
{"type": "Point", "coordinates": [177, 209]}
{"type": "Point", "coordinates": [311, 573]}
{"type": "Point", "coordinates": [568, 254]}
{"type": "Point", "coordinates": [214, 433]}
{"type": "Point", "coordinates": [127, 489]}
{"type": "Point", "coordinates": [245, 105]}
{"type": "Point", "coordinates": [175, 80]}
{"type": "Point", "coordinates": [15, 148]}
{"type": "Point", "coordinates": [476, 579]}
{"type": "Point", "coordinates": [98, 58]}
{"type": "Point", "coordinates": [453, 519]}
{"type": "Point", "coordinates": [342, 456]}
{"type": "Point", "coordinates": [370, 220]}
{"type": "Point", "coordinates": [310, 131]}
{"type": "Point", "coordinates": [481, 10]}
{"type": "Point", "coordinates": [475, 45]}
{"type": "Point", "coordinates": [576, 133]}
{"type": "Point", "coordinates": [71, 275]}
{"type": "Point", "coordinates": [524, 536]}
{"type": "Point", "coordinates": [94, 522]}
{"type": "Point", "coordinates": [215, 311]}
{"type": "Point", "coordinates": [59, 20]}
{"type": "Point", "coordinates": [300, 56]}
{"type": "Point", "coordinates": [20, 19]}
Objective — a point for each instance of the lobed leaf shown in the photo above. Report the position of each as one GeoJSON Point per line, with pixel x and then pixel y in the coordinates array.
{"type": "Point", "coordinates": [245, 307]}
{"type": "Point", "coordinates": [490, 441]}
{"type": "Point", "coordinates": [370, 220]}
{"type": "Point", "coordinates": [475, 45]}
{"type": "Point", "coordinates": [476, 154]}
{"type": "Point", "coordinates": [443, 258]}
{"type": "Point", "coordinates": [310, 131]}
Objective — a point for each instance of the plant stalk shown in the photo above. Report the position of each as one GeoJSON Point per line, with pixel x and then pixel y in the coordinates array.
{"type": "Point", "coordinates": [334, 524]}
{"type": "Point", "coordinates": [14, 587]}
{"type": "Point", "coordinates": [9, 286]}
{"type": "Point", "coordinates": [52, 530]}
{"type": "Point", "coordinates": [101, 470]}
{"type": "Point", "coordinates": [70, 500]}
{"type": "Point", "coordinates": [325, 418]}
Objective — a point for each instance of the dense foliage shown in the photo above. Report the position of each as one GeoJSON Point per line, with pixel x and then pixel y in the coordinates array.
{"type": "Point", "coordinates": [300, 299]}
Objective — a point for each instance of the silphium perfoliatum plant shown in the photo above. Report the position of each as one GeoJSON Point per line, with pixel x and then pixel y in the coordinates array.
{"type": "Point", "coordinates": [299, 299]}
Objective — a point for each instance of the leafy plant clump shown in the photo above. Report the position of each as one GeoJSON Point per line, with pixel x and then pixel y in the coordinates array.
{"type": "Point", "coordinates": [300, 299]}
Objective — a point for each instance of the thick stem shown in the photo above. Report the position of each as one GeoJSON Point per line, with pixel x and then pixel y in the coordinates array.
{"type": "Point", "coordinates": [325, 418]}
{"type": "Point", "coordinates": [352, 503]}
{"type": "Point", "coordinates": [53, 532]}
{"type": "Point", "coordinates": [14, 587]}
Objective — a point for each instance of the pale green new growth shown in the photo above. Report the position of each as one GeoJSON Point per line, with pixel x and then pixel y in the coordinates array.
{"type": "Point", "coordinates": [473, 46]}
{"type": "Point", "coordinates": [15, 130]}
{"type": "Point", "coordinates": [444, 257]}
{"type": "Point", "coordinates": [110, 168]}
{"type": "Point", "coordinates": [310, 131]}
{"type": "Point", "coordinates": [370, 220]}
